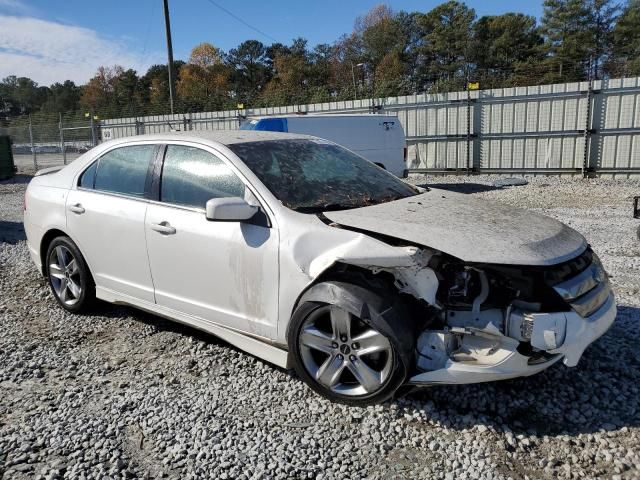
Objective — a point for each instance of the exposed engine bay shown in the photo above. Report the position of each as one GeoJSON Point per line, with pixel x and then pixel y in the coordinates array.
{"type": "Point", "coordinates": [503, 321]}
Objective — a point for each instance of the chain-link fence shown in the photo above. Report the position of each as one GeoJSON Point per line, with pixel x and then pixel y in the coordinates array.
{"type": "Point", "coordinates": [580, 128]}
{"type": "Point", "coordinates": [50, 140]}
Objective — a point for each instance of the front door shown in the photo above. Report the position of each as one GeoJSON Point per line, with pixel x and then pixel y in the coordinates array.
{"type": "Point", "coordinates": [223, 272]}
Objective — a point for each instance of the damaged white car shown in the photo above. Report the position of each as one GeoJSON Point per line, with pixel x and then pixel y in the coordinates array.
{"type": "Point", "coordinates": [304, 254]}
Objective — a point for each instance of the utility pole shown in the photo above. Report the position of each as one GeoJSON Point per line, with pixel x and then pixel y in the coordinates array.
{"type": "Point", "coordinates": [167, 26]}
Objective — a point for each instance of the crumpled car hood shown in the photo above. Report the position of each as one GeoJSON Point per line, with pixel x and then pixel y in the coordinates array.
{"type": "Point", "coordinates": [470, 229]}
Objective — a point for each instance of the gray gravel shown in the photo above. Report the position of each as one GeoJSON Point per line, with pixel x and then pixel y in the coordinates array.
{"type": "Point", "coordinates": [123, 394]}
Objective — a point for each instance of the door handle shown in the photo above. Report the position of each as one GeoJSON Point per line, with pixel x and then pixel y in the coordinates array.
{"type": "Point", "coordinates": [163, 227]}
{"type": "Point", "coordinates": [77, 208]}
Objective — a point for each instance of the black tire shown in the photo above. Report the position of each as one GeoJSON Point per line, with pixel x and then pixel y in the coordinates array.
{"type": "Point", "coordinates": [383, 312]}
{"type": "Point", "coordinates": [81, 276]}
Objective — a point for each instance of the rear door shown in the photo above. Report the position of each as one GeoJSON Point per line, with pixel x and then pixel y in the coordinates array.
{"type": "Point", "coordinates": [105, 217]}
{"type": "Point", "coordinates": [222, 272]}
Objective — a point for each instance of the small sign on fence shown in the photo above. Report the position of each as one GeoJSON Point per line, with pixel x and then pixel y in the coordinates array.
{"type": "Point", "coordinates": [107, 134]}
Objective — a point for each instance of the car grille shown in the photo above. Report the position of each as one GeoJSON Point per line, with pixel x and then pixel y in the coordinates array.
{"type": "Point", "coordinates": [587, 290]}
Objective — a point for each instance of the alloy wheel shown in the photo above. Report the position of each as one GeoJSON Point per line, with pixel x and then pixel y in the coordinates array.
{"type": "Point", "coordinates": [343, 353]}
{"type": "Point", "coordinates": [65, 275]}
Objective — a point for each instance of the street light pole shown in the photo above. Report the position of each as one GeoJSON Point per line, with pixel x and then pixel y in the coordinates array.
{"type": "Point", "coordinates": [167, 26]}
{"type": "Point", "coordinates": [353, 76]}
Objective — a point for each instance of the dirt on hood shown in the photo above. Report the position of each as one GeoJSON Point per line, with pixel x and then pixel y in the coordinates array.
{"type": "Point", "coordinates": [470, 229]}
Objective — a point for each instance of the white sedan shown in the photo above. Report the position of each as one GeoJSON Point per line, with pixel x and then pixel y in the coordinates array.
{"type": "Point", "coordinates": [302, 253]}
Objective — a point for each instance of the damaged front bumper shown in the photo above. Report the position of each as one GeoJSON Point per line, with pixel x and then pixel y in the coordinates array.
{"type": "Point", "coordinates": [497, 357]}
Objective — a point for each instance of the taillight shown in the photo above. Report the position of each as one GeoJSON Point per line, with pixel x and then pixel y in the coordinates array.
{"type": "Point", "coordinates": [405, 153]}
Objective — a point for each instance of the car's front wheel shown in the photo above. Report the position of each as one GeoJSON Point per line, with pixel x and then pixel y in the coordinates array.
{"type": "Point", "coordinates": [68, 275]}
{"type": "Point", "coordinates": [348, 344]}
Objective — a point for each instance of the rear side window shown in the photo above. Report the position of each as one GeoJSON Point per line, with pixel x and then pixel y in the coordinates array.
{"type": "Point", "coordinates": [124, 170]}
{"type": "Point", "coordinates": [88, 176]}
{"type": "Point", "coordinates": [191, 177]}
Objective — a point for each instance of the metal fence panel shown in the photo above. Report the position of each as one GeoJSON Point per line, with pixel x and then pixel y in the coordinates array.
{"type": "Point", "coordinates": [573, 128]}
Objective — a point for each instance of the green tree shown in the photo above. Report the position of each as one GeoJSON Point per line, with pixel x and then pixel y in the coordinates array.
{"type": "Point", "coordinates": [290, 76]}
{"type": "Point", "coordinates": [21, 95]}
{"type": "Point", "coordinates": [380, 34]}
{"type": "Point", "coordinates": [413, 43]}
{"type": "Point", "coordinates": [569, 41]}
{"type": "Point", "coordinates": [625, 43]}
{"type": "Point", "coordinates": [128, 96]}
{"type": "Point", "coordinates": [383, 41]}
{"type": "Point", "coordinates": [389, 76]}
{"type": "Point", "coordinates": [602, 20]}
{"type": "Point", "coordinates": [320, 81]}
{"type": "Point", "coordinates": [114, 91]}
{"type": "Point", "coordinates": [505, 47]}
{"type": "Point", "coordinates": [447, 45]}
{"type": "Point", "coordinates": [347, 54]}
{"type": "Point", "coordinates": [62, 97]}
{"type": "Point", "coordinates": [250, 71]}
{"type": "Point", "coordinates": [155, 87]}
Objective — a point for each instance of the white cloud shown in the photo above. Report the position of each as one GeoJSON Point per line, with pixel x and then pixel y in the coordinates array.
{"type": "Point", "coordinates": [49, 52]}
{"type": "Point", "coordinates": [13, 5]}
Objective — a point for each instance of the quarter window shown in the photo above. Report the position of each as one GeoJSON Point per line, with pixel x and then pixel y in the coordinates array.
{"type": "Point", "coordinates": [191, 177]}
{"type": "Point", "coordinates": [124, 170]}
{"type": "Point", "coordinates": [88, 176]}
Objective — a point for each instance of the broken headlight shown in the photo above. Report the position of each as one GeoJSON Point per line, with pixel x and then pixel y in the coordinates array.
{"type": "Point", "coordinates": [460, 286]}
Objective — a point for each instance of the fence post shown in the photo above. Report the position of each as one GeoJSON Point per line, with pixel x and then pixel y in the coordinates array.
{"type": "Point", "coordinates": [93, 130]}
{"type": "Point", "coordinates": [477, 134]}
{"type": "Point", "coordinates": [33, 147]}
{"type": "Point", "coordinates": [468, 129]}
{"type": "Point", "coordinates": [140, 128]}
{"type": "Point", "coordinates": [64, 151]}
{"type": "Point", "coordinates": [586, 168]}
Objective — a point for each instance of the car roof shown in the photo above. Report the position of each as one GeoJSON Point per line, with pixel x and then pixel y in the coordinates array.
{"type": "Point", "coordinates": [224, 137]}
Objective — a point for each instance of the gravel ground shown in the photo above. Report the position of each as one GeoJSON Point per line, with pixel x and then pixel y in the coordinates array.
{"type": "Point", "coordinates": [123, 394]}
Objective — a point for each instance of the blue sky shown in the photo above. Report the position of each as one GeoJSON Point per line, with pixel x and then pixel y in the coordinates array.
{"type": "Point", "coordinates": [51, 40]}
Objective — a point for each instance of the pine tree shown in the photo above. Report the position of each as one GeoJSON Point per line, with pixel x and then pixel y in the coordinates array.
{"type": "Point", "coordinates": [568, 40]}
{"type": "Point", "coordinates": [625, 43]}
{"type": "Point", "coordinates": [602, 19]}
{"type": "Point", "coordinates": [505, 47]}
{"type": "Point", "coordinates": [447, 45]}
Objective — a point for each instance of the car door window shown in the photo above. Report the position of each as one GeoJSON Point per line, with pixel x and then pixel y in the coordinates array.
{"type": "Point", "coordinates": [191, 177]}
{"type": "Point", "coordinates": [88, 176]}
{"type": "Point", "coordinates": [124, 170]}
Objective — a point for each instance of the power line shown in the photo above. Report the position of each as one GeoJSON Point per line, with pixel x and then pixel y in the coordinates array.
{"type": "Point", "coordinates": [231, 14]}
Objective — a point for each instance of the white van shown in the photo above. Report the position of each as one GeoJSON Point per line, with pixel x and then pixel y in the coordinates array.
{"type": "Point", "coordinates": [378, 138]}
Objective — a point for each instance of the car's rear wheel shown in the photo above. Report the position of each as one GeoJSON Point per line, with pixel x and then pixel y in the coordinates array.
{"type": "Point", "coordinates": [69, 276]}
{"type": "Point", "coordinates": [346, 347]}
